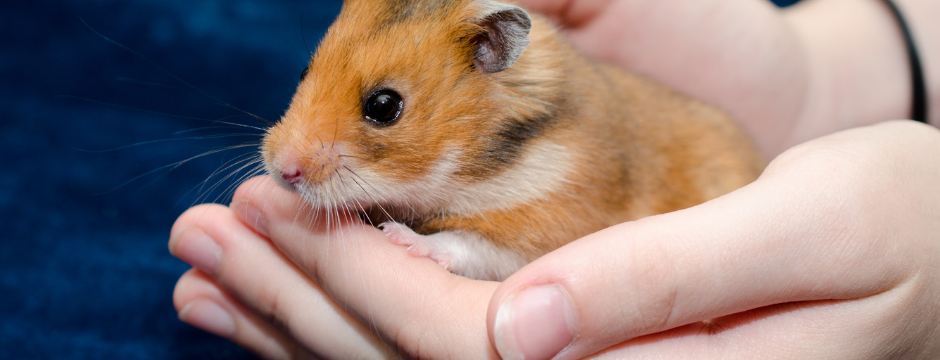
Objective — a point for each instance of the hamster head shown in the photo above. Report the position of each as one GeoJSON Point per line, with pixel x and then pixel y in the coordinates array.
{"type": "Point", "coordinates": [405, 101]}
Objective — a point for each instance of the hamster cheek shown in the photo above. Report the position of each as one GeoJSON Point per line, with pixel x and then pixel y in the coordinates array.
{"type": "Point", "coordinates": [460, 252]}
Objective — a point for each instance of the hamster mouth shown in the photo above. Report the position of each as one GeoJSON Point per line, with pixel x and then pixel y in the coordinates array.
{"type": "Point", "coordinates": [369, 211]}
{"type": "Point", "coordinates": [381, 213]}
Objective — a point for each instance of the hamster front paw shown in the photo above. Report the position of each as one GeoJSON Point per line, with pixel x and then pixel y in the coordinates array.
{"type": "Point", "coordinates": [418, 245]}
{"type": "Point", "coordinates": [460, 252]}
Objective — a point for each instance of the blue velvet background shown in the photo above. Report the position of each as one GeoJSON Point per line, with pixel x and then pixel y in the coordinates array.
{"type": "Point", "coordinates": [84, 270]}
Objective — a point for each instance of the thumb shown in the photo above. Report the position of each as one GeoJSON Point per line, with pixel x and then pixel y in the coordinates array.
{"type": "Point", "coordinates": [787, 237]}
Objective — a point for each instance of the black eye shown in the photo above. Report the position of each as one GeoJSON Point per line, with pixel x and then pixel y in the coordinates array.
{"type": "Point", "coordinates": [303, 75]}
{"type": "Point", "coordinates": [383, 107]}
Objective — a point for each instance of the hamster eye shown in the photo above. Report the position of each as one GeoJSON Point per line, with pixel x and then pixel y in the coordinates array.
{"type": "Point", "coordinates": [303, 75]}
{"type": "Point", "coordinates": [383, 107]}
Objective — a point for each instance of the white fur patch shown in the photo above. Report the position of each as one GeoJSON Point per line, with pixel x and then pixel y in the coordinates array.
{"type": "Point", "coordinates": [542, 170]}
{"type": "Point", "coordinates": [461, 252]}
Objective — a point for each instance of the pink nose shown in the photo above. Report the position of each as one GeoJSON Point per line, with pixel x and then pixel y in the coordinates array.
{"type": "Point", "coordinates": [292, 176]}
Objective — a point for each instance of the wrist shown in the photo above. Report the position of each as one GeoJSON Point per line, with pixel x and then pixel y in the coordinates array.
{"type": "Point", "coordinates": [858, 66]}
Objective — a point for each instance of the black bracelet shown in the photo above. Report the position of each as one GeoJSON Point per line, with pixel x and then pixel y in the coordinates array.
{"type": "Point", "coordinates": [919, 107]}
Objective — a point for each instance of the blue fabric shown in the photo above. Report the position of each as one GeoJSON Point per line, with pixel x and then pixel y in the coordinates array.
{"type": "Point", "coordinates": [784, 3]}
{"type": "Point", "coordinates": [84, 270]}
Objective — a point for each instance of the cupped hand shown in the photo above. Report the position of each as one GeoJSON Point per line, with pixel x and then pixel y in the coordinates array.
{"type": "Point", "coordinates": [832, 253]}
{"type": "Point", "coordinates": [325, 285]}
{"type": "Point", "coordinates": [788, 76]}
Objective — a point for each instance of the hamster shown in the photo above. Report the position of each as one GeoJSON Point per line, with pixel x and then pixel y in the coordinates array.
{"type": "Point", "coordinates": [476, 135]}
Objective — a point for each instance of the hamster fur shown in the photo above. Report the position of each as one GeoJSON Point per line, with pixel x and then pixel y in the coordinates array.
{"type": "Point", "coordinates": [508, 143]}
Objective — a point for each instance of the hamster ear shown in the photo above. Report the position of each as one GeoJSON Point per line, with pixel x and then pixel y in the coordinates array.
{"type": "Point", "coordinates": [505, 36]}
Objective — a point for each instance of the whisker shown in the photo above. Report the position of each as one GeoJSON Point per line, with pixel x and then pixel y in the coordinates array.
{"type": "Point", "coordinates": [409, 205]}
{"type": "Point", "coordinates": [228, 126]}
{"type": "Point", "coordinates": [148, 83]}
{"type": "Point", "coordinates": [247, 159]}
{"type": "Point", "coordinates": [352, 157]}
{"type": "Point", "coordinates": [173, 166]}
{"type": "Point", "coordinates": [151, 112]}
{"type": "Point", "coordinates": [303, 35]}
{"type": "Point", "coordinates": [161, 141]}
{"type": "Point", "coordinates": [229, 190]}
{"type": "Point", "coordinates": [170, 74]}
{"type": "Point", "coordinates": [369, 194]}
{"type": "Point", "coordinates": [358, 203]}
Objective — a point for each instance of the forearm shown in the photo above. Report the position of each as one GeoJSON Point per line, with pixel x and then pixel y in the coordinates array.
{"type": "Point", "coordinates": [859, 72]}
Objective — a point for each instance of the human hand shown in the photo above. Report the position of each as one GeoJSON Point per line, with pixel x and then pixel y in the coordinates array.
{"type": "Point", "coordinates": [788, 76]}
{"type": "Point", "coordinates": [832, 253]}
{"type": "Point", "coordinates": [719, 51]}
{"type": "Point", "coordinates": [276, 297]}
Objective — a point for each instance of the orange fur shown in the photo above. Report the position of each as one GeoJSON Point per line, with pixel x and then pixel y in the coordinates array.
{"type": "Point", "coordinates": [633, 148]}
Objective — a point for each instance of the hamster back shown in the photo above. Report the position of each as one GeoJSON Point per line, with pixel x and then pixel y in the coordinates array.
{"type": "Point", "coordinates": [476, 120]}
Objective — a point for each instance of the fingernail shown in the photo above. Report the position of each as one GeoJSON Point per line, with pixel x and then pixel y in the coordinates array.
{"type": "Point", "coordinates": [535, 323]}
{"type": "Point", "coordinates": [208, 316]}
{"type": "Point", "coordinates": [199, 250]}
{"type": "Point", "coordinates": [251, 215]}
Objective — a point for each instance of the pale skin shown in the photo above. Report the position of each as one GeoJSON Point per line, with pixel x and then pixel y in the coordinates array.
{"type": "Point", "coordinates": [833, 253]}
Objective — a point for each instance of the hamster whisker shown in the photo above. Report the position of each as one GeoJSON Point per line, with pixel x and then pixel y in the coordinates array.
{"type": "Point", "coordinates": [175, 116]}
{"type": "Point", "coordinates": [148, 83]}
{"type": "Point", "coordinates": [352, 157]}
{"type": "Point", "coordinates": [173, 166]}
{"type": "Point", "coordinates": [362, 208]}
{"type": "Point", "coordinates": [335, 133]}
{"type": "Point", "coordinates": [249, 158]}
{"type": "Point", "coordinates": [219, 136]}
{"type": "Point", "coordinates": [257, 168]}
{"type": "Point", "coordinates": [142, 110]}
{"type": "Point", "coordinates": [303, 35]}
{"type": "Point", "coordinates": [230, 189]}
{"type": "Point", "coordinates": [342, 181]}
{"type": "Point", "coordinates": [177, 78]}
{"type": "Point", "coordinates": [239, 164]}
{"type": "Point", "coordinates": [160, 141]}
{"type": "Point", "coordinates": [228, 125]}
{"type": "Point", "coordinates": [369, 194]}
{"type": "Point", "coordinates": [222, 123]}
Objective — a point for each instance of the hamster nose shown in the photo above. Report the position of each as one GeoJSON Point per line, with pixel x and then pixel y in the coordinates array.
{"type": "Point", "coordinates": [292, 176]}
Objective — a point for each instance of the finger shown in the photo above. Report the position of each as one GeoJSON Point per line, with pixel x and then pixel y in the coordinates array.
{"type": "Point", "coordinates": [869, 328]}
{"type": "Point", "coordinates": [800, 233]}
{"type": "Point", "coordinates": [202, 303]}
{"type": "Point", "coordinates": [247, 266]}
{"type": "Point", "coordinates": [412, 302]}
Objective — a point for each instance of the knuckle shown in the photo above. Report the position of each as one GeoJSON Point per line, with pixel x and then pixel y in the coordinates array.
{"type": "Point", "coordinates": [195, 215]}
{"type": "Point", "coordinates": [270, 304]}
{"type": "Point", "coordinates": [409, 340]}
{"type": "Point", "coordinates": [656, 291]}
{"type": "Point", "coordinates": [416, 341]}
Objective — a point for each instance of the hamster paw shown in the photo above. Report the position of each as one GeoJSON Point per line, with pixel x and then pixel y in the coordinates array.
{"type": "Point", "coordinates": [418, 245]}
